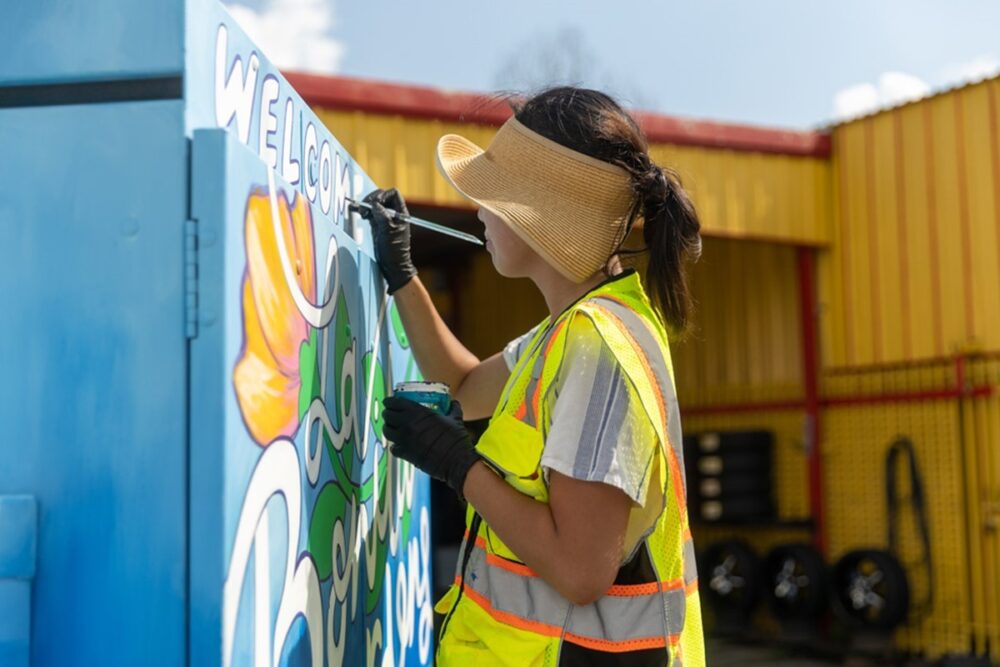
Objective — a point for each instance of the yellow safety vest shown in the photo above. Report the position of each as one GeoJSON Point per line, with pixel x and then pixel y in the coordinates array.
{"type": "Point", "coordinates": [499, 612]}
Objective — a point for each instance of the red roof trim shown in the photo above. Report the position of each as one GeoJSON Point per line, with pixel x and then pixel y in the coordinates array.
{"type": "Point", "coordinates": [352, 94]}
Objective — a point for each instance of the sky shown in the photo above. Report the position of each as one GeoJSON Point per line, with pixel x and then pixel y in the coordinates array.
{"type": "Point", "coordinates": [792, 63]}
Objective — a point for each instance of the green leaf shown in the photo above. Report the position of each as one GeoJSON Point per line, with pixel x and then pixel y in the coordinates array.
{"type": "Point", "coordinates": [308, 372]}
{"type": "Point", "coordinates": [397, 326]}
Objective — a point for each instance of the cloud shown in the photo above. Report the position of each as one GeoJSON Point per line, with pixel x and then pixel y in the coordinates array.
{"type": "Point", "coordinates": [898, 87]}
{"type": "Point", "coordinates": [294, 34]}
{"type": "Point", "coordinates": [980, 67]}
{"type": "Point", "coordinates": [892, 88]}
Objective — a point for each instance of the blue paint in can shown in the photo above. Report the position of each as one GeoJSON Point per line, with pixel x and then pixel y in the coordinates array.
{"type": "Point", "coordinates": [434, 395]}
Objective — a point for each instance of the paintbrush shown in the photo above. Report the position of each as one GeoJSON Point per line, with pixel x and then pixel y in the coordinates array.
{"type": "Point", "coordinates": [356, 206]}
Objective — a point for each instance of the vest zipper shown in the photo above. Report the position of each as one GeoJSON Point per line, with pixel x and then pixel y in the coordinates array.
{"type": "Point", "coordinates": [470, 544]}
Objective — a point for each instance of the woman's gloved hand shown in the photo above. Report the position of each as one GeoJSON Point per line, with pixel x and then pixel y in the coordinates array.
{"type": "Point", "coordinates": [437, 444]}
{"type": "Point", "coordinates": [391, 237]}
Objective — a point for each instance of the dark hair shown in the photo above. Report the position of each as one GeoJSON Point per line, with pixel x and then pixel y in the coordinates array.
{"type": "Point", "coordinates": [590, 122]}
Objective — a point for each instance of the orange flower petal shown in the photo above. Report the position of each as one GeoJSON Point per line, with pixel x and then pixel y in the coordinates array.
{"type": "Point", "coordinates": [267, 397]}
{"type": "Point", "coordinates": [283, 326]}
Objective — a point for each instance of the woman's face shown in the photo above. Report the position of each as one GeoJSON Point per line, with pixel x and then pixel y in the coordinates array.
{"type": "Point", "coordinates": [512, 257]}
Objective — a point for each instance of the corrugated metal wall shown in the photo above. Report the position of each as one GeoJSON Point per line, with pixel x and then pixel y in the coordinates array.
{"type": "Point", "coordinates": [738, 194]}
{"type": "Point", "coordinates": [914, 267]}
{"type": "Point", "coordinates": [746, 344]}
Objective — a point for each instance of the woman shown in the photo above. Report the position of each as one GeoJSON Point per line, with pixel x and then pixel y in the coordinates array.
{"type": "Point", "coordinates": [578, 549]}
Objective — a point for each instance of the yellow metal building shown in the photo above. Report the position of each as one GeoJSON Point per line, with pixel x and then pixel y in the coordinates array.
{"type": "Point", "coordinates": [849, 292]}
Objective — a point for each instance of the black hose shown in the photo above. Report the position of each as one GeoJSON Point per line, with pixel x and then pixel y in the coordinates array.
{"type": "Point", "coordinates": [903, 445]}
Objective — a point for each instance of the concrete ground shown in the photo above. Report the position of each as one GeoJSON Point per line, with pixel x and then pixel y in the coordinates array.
{"type": "Point", "coordinates": [736, 653]}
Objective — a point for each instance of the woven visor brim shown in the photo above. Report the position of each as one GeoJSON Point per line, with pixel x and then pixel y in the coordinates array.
{"type": "Point", "coordinates": [561, 226]}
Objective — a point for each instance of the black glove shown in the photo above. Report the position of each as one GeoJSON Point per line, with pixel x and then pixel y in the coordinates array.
{"type": "Point", "coordinates": [391, 237]}
{"type": "Point", "coordinates": [437, 444]}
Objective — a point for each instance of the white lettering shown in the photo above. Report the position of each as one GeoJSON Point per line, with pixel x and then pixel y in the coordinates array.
{"type": "Point", "coordinates": [325, 177]}
{"type": "Point", "coordinates": [309, 151]}
{"type": "Point", "coordinates": [234, 93]}
{"type": "Point", "coordinates": [289, 165]}
{"type": "Point", "coordinates": [267, 124]}
{"type": "Point", "coordinates": [341, 189]}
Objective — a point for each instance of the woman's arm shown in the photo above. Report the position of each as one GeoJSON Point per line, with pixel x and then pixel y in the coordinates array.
{"type": "Point", "coordinates": [574, 542]}
{"type": "Point", "coordinates": [441, 357]}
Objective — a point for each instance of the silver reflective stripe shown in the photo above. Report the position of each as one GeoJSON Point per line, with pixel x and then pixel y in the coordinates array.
{"type": "Point", "coordinates": [690, 567]}
{"type": "Point", "coordinates": [528, 598]}
{"type": "Point", "coordinates": [653, 352]}
{"type": "Point", "coordinates": [618, 618]}
{"type": "Point", "coordinates": [612, 618]}
{"type": "Point", "coordinates": [676, 604]}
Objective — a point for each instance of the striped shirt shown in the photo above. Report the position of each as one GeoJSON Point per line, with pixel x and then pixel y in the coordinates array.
{"type": "Point", "coordinates": [597, 429]}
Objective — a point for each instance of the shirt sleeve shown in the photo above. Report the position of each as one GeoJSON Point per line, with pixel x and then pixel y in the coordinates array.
{"type": "Point", "coordinates": [598, 430]}
{"type": "Point", "coordinates": [515, 348]}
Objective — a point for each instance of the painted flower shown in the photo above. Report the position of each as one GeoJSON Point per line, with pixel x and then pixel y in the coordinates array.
{"type": "Point", "coordinates": [267, 378]}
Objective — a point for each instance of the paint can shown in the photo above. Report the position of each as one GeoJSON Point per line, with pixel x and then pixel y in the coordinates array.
{"type": "Point", "coordinates": [434, 395]}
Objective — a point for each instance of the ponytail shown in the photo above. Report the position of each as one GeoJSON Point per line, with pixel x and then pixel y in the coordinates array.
{"type": "Point", "coordinates": [672, 234]}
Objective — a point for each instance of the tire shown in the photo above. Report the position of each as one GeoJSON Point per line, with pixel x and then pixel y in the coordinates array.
{"type": "Point", "coordinates": [795, 582]}
{"type": "Point", "coordinates": [870, 590]}
{"type": "Point", "coordinates": [739, 508]}
{"type": "Point", "coordinates": [748, 462]}
{"type": "Point", "coordinates": [725, 442]}
{"type": "Point", "coordinates": [730, 576]}
{"type": "Point", "coordinates": [722, 486]}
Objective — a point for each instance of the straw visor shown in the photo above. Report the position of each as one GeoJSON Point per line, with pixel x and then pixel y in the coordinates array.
{"type": "Point", "coordinates": [569, 207]}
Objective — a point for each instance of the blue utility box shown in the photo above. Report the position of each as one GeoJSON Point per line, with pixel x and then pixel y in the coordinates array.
{"type": "Point", "coordinates": [195, 345]}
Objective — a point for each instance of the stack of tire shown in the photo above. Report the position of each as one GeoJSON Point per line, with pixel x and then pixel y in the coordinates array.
{"type": "Point", "coordinates": [729, 476]}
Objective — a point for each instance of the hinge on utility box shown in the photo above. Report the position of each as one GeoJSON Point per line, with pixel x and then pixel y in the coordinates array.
{"type": "Point", "coordinates": [191, 278]}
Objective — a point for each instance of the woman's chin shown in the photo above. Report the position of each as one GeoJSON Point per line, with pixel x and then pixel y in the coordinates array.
{"type": "Point", "coordinates": [501, 268]}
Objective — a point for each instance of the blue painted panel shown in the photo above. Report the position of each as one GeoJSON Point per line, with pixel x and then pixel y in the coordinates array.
{"type": "Point", "coordinates": [308, 540]}
{"type": "Point", "coordinates": [18, 537]}
{"type": "Point", "coordinates": [18, 540]}
{"type": "Point", "coordinates": [15, 622]}
{"type": "Point", "coordinates": [47, 41]}
{"type": "Point", "coordinates": [93, 354]}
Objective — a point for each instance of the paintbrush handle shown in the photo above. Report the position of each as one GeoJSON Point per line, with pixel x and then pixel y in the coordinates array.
{"type": "Point", "coordinates": [426, 224]}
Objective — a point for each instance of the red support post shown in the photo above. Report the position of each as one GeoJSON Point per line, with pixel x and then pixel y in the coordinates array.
{"type": "Point", "coordinates": [810, 372]}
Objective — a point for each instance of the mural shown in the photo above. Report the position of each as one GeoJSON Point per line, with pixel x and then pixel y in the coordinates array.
{"type": "Point", "coordinates": [324, 538]}
{"type": "Point", "coordinates": [330, 556]}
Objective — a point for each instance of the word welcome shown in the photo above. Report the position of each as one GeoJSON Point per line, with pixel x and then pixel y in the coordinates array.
{"type": "Point", "coordinates": [325, 178]}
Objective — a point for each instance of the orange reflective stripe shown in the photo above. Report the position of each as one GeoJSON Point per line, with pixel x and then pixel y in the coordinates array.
{"type": "Point", "coordinates": [503, 563]}
{"type": "Point", "coordinates": [675, 477]}
{"type": "Point", "coordinates": [611, 646]}
{"type": "Point", "coordinates": [537, 398]}
{"type": "Point", "coordinates": [632, 590]}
